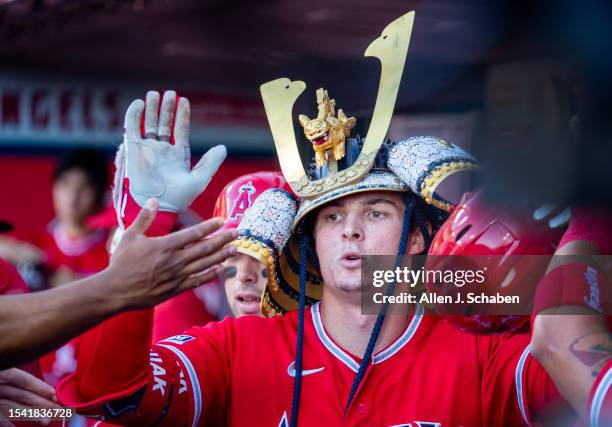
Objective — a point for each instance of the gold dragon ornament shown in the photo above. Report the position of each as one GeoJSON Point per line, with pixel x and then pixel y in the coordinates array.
{"type": "Point", "coordinates": [326, 132]}
{"type": "Point", "coordinates": [279, 97]}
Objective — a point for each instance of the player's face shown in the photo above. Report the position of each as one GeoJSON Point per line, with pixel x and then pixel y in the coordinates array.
{"type": "Point", "coordinates": [245, 279]}
{"type": "Point", "coordinates": [346, 229]}
{"type": "Point", "coordinates": [74, 198]}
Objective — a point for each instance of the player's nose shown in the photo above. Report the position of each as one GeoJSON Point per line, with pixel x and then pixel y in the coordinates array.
{"type": "Point", "coordinates": [246, 276]}
{"type": "Point", "coordinates": [352, 229]}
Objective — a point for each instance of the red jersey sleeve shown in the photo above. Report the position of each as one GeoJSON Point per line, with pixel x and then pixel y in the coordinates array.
{"type": "Point", "coordinates": [516, 390]}
{"type": "Point", "coordinates": [204, 358]}
{"type": "Point", "coordinates": [180, 381]}
{"type": "Point", "coordinates": [178, 314]}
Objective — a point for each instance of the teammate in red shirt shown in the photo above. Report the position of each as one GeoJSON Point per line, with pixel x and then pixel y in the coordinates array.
{"type": "Point", "coordinates": [73, 248]}
{"type": "Point", "coordinates": [245, 275]}
{"type": "Point", "coordinates": [327, 364]}
{"type": "Point", "coordinates": [69, 248]}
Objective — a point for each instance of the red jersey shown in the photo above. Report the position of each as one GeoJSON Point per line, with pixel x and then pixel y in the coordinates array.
{"type": "Point", "coordinates": [12, 283]}
{"type": "Point", "coordinates": [240, 372]}
{"type": "Point", "coordinates": [196, 307]}
{"type": "Point", "coordinates": [83, 256]}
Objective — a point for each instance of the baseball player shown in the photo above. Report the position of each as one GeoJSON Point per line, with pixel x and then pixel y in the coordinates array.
{"type": "Point", "coordinates": [325, 363]}
{"type": "Point", "coordinates": [244, 276]}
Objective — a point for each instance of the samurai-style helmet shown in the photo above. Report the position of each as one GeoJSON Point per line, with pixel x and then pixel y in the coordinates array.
{"type": "Point", "coordinates": [270, 229]}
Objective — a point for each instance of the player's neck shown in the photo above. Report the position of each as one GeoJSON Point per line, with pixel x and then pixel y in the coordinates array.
{"type": "Point", "coordinates": [74, 230]}
{"type": "Point", "coordinates": [351, 330]}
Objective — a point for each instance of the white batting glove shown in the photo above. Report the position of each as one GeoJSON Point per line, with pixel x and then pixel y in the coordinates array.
{"type": "Point", "coordinates": [155, 161]}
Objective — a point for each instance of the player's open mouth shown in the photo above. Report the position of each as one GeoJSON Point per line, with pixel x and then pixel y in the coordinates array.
{"type": "Point", "coordinates": [320, 140]}
{"type": "Point", "coordinates": [248, 299]}
{"type": "Point", "coordinates": [351, 260]}
{"type": "Point", "coordinates": [248, 302]}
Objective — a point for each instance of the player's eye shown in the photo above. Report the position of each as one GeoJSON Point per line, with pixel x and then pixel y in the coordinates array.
{"type": "Point", "coordinates": [332, 217]}
{"type": "Point", "coordinates": [229, 272]}
{"type": "Point", "coordinates": [377, 214]}
{"type": "Point", "coordinates": [264, 273]}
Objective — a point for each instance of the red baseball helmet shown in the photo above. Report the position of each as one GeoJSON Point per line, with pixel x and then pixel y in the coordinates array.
{"type": "Point", "coordinates": [490, 238]}
{"type": "Point", "coordinates": [239, 194]}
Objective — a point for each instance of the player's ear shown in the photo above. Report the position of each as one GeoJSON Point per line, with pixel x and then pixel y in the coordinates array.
{"type": "Point", "coordinates": [417, 241]}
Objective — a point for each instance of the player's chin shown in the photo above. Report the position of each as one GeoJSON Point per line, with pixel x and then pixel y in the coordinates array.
{"type": "Point", "coordinates": [246, 309]}
{"type": "Point", "coordinates": [350, 283]}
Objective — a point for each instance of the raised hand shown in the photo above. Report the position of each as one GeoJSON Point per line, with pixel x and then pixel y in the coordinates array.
{"type": "Point", "coordinates": [155, 160]}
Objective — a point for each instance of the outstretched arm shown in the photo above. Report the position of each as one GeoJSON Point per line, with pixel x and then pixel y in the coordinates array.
{"type": "Point", "coordinates": [143, 272]}
{"type": "Point", "coordinates": [119, 377]}
{"type": "Point", "coordinates": [571, 337]}
{"type": "Point", "coordinates": [154, 160]}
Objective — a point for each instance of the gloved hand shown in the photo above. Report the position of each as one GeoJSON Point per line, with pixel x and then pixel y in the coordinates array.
{"type": "Point", "coordinates": [154, 160]}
